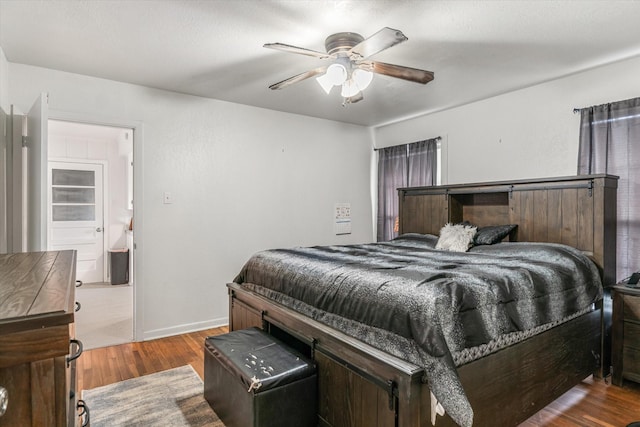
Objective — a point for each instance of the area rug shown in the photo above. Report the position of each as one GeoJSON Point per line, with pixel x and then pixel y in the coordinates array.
{"type": "Point", "coordinates": [168, 398]}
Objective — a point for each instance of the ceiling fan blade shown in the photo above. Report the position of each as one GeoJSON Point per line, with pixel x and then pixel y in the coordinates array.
{"type": "Point", "coordinates": [383, 39]}
{"type": "Point", "coordinates": [398, 71]}
{"type": "Point", "coordinates": [298, 78]}
{"type": "Point", "coordinates": [299, 50]}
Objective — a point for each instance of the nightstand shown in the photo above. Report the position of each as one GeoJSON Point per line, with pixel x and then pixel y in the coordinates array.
{"type": "Point", "coordinates": [625, 345]}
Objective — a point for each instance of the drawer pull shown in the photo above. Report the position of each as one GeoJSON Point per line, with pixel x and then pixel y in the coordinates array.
{"type": "Point", "coordinates": [4, 400]}
{"type": "Point", "coordinates": [78, 307]}
{"type": "Point", "coordinates": [78, 283]}
{"type": "Point", "coordinates": [71, 358]}
{"type": "Point", "coordinates": [84, 413]}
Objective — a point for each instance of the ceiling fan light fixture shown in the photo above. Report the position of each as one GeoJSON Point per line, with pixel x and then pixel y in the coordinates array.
{"type": "Point", "coordinates": [336, 74]}
{"type": "Point", "coordinates": [349, 64]}
{"type": "Point", "coordinates": [362, 78]}
{"type": "Point", "coordinates": [324, 82]}
{"type": "Point", "coordinates": [349, 88]}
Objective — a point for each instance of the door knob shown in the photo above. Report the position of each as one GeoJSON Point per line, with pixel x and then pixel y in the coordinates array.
{"type": "Point", "coordinates": [98, 229]}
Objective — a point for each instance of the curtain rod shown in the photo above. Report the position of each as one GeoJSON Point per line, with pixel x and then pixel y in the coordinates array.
{"type": "Point", "coordinates": [577, 110]}
{"type": "Point", "coordinates": [437, 138]}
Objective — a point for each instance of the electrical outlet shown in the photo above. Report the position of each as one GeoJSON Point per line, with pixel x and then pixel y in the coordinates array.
{"type": "Point", "coordinates": [167, 198]}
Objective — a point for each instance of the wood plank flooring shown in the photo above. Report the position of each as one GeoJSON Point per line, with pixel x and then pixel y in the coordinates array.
{"type": "Point", "coordinates": [591, 403]}
{"type": "Point", "coordinates": [107, 365]}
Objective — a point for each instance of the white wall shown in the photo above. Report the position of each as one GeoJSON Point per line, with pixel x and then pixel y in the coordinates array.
{"type": "Point", "coordinates": [528, 133]}
{"type": "Point", "coordinates": [4, 82]}
{"type": "Point", "coordinates": [242, 178]}
{"type": "Point", "coordinates": [120, 214]}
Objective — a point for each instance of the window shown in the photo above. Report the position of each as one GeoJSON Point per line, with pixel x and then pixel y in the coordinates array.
{"type": "Point", "coordinates": [73, 195]}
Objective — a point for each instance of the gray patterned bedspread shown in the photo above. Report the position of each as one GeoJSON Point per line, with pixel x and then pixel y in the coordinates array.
{"type": "Point", "coordinates": [423, 305]}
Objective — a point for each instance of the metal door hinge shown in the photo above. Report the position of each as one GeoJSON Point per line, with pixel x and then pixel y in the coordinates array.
{"type": "Point", "coordinates": [392, 392]}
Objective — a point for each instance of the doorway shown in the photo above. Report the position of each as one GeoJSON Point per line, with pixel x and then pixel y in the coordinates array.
{"type": "Point", "coordinates": [90, 209]}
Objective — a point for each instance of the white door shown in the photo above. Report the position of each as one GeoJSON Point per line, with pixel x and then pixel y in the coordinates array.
{"type": "Point", "coordinates": [76, 215]}
{"type": "Point", "coordinates": [35, 211]}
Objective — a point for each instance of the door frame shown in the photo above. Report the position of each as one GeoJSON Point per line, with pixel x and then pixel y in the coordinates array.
{"type": "Point", "coordinates": [105, 198]}
{"type": "Point", "coordinates": [138, 191]}
{"type": "Point", "coordinates": [5, 137]}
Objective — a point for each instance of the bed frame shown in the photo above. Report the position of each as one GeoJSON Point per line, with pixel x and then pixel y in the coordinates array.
{"type": "Point", "coordinates": [362, 386]}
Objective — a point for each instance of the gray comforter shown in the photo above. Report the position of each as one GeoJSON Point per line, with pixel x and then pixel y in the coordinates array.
{"type": "Point", "coordinates": [424, 305]}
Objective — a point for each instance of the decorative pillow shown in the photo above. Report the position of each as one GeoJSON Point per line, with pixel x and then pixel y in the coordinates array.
{"type": "Point", "coordinates": [428, 239]}
{"type": "Point", "coordinates": [492, 234]}
{"type": "Point", "coordinates": [457, 238]}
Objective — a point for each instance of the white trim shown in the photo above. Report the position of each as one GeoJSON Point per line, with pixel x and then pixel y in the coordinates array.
{"type": "Point", "coordinates": [106, 196]}
{"type": "Point", "coordinates": [138, 191]}
{"type": "Point", "coordinates": [25, 200]}
{"type": "Point", "coordinates": [443, 169]}
{"type": "Point", "coordinates": [186, 328]}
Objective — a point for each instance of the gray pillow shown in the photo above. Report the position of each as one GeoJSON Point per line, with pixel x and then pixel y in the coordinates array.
{"type": "Point", "coordinates": [492, 234]}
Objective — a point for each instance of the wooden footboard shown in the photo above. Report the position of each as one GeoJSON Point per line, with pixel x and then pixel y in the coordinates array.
{"type": "Point", "coordinates": [360, 385]}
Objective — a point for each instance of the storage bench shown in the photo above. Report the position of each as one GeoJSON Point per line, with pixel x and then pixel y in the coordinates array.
{"type": "Point", "coordinates": [251, 379]}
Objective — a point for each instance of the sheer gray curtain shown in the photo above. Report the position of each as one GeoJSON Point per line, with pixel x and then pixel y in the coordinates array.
{"type": "Point", "coordinates": [402, 166]}
{"type": "Point", "coordinates": [392, 174]}
{"type": "Point", "coordinates": [610, 143]}
{"type": "Point", "coordinates": [422, 163]}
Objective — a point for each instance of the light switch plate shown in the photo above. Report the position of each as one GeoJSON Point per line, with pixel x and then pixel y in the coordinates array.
{"type": "Point", "coordinates": [342, 218]}
{"type": "Point", "coordinates": [167, 198]}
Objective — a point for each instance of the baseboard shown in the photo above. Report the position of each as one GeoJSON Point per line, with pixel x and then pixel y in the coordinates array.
{"type": "Point", "coordinates": [183, 329]}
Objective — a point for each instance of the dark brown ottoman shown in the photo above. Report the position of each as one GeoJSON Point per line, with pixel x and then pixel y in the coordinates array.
{"type": "Point", "coordinates": [252, 379]}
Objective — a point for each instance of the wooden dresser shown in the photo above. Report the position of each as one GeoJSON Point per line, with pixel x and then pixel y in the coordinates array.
{"type": "Point", "coordinates": [37, 349]}
{"type": "Point", "coordinates": [626, 334]}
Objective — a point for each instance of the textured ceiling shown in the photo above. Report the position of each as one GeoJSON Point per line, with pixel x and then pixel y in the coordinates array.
{"type": "Point", "coordinates": [477, 49]}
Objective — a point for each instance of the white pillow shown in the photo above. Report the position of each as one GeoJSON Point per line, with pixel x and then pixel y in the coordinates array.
{"type": "Point", "coordinates": [457, 238]}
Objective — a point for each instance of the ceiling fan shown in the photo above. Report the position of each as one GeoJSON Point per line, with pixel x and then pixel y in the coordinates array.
{"type": "Point", "coordinates": [350, 65]}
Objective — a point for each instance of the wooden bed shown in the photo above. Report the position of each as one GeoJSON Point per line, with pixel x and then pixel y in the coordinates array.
{"type": "Point", "coordinates": [362, 386]}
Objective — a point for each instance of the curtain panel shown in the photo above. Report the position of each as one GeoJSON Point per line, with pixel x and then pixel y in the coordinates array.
{"type": "Point", "coordinates": [409, 165]}
{"type": "Point", "coordinates": [421, 163]}
{"type": "Point", "coordinates": [610, 143]}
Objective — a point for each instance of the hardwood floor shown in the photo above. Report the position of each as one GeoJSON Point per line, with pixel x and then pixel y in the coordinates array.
{"type": "Point", "coordinates": [107, 365]}
{"type": "Point", "coordinates": [591, 403]}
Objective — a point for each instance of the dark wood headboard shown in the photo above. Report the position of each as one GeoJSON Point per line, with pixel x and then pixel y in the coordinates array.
{"type": "Point", "coordinates": [579, 211]}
